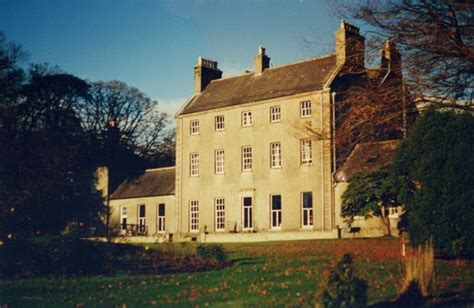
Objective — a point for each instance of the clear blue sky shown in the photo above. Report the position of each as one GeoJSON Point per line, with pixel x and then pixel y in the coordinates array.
{"type": "Point", "coordinates": [154, 45]}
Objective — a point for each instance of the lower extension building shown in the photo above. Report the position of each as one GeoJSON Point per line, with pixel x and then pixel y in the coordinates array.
{"type": "Point", "coordinates": [257, 154]}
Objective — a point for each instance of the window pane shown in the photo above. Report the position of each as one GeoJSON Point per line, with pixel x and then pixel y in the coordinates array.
{"type": "Point", "coordinates": [247, 201]}
{"type": "Point", "coordinates": [142, 210]}
{"type": "Point", "coordinates": [276, 202]}
{"type": "Point", "coordinates": [161, 209]}
{"type": "Point", "coordinates": [307, 199]}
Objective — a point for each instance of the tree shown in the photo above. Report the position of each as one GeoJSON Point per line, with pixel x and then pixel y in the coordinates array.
{"type": "Point", "coordinates": [433, 173]}
{"type": "Point", "coordinates": [370, 194]}
{"type": "Point", "coordinates": [435, 39]}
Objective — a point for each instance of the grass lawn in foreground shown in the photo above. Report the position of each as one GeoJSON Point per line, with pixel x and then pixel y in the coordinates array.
{"type": "Point", "coordinates": [278, 273]}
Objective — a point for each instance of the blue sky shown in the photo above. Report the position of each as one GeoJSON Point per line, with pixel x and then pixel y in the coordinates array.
{"type": "Point", "coordinates": [154, 45]}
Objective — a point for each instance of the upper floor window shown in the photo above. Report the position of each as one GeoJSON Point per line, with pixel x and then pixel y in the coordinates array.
{"type": "Point", "coordinates": [305, 109]}
{"type": "Point", "coordinates": [219, 123]}
{"type": "Point", "coordinates": [246, 118]}
{"type": "Point", "coordinates": [194, 127]}
{"type": "Point", "coordinates": [194, 164]}
{"type": "Point", "coordinates": [275, 155]}
{"type": "Point", "coordinates": [275, 114]}
{"type": "Point", "coordinates": [306, 152]}
{"type": "Point", "coordinates": [246, 158]}
{"type": "Point", "coordinates": [219, 161]}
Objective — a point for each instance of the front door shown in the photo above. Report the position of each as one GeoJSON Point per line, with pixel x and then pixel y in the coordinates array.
{"type": "Point", "coordinates": [247, 209]}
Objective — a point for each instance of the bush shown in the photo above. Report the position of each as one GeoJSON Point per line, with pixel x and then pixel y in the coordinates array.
{"type": "Point", "coordinates": [342, 289]}
{"type": "Point", "coordinates": [433, 171]}
{"type": "Point", "coordinates": [212, 252]}
{"type": "Point", "coordinates": [58, 255]}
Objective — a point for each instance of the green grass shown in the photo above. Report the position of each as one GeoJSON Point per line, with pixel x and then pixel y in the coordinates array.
{"type": "Point", "coordinates": [262, 274]}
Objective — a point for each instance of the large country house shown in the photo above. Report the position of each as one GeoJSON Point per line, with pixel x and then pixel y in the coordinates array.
{"type": "Point", "coordinates": [257, 154]}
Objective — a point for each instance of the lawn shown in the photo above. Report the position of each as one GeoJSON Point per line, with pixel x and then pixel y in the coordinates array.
{"type": "Point", "coordinates": [279, 273]}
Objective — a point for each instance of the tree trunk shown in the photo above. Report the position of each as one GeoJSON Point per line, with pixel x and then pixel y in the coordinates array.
{"type": "Point", "coordinates": [386, 222]}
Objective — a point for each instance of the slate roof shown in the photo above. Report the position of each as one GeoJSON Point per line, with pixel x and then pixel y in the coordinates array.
{"type": "Point", "coordinates": [153, 182]}
{"type": "Point", "coordinates": [367, 157]}
{"type": "Point", "coordinates": [305, 76]}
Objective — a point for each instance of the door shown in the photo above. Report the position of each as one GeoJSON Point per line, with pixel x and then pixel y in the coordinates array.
{"type": "Point", "coordinates": [141, 219]}
{"type": "Point", "coordinates": [123, 220]}
{"type": "Point", "coordinates": [161, 218]}
{"type": "Point", "coordinates": [247, 209]}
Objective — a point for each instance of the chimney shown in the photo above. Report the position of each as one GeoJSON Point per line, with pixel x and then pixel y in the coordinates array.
{"type": "Point", "coordinates": [350, 47]}
{"type": "Point", "coordinates": [205, 72]}
{"type": "Point", "coordinates": [262, 61]}
{"type": "Point", "coordinates": [391, 58]}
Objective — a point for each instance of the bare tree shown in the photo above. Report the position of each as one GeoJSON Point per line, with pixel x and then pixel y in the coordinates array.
{"type": "Point", "coordinates": [436, 39]}
{"type": "Point", "coordinates": [142, 128]}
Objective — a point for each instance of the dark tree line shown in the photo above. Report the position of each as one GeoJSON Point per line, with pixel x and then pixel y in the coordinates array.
{"type": "Point", "coordinates": [55, 130]}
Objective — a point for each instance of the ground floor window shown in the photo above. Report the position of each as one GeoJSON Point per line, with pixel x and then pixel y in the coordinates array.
{"type": "Point", "coordinates": [194, 215]}
{"type": "Point", "coordinates": [220, 214]}
{"type": "Point", "coordinates": [123, 219]}
{"type": "Point", "coordinates": [307, 209]}
{"type": "Point", "coordinates": [160, 226]}
{"type": "Point", "coordinates": [276, 211]}
{"type": "Point", "coordinates": [247, 213]}
{"type": "Point", "coordinates": [141, 219]}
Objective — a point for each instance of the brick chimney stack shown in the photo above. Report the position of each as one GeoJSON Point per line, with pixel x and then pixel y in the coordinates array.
{"type": "Point", "coordinates": [262, 61]}
{"type": "Point", "coordinates": [204, 72]}
{"type": "Point", "coordinates": [350, 47]}
{"type": "Point", "coordinates": [391, 58]}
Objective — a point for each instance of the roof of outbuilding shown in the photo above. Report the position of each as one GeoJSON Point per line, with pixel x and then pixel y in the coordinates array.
{"type": "Point", "coordinates": [305, 76]}
{"type": "Point", "coordinates": [367, 157]}
{"type": "Point", "coordinates": [153, 182]}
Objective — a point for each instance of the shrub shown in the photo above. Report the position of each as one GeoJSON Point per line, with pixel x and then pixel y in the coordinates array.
{"type": "Point", "coordinates": [342, 289]}
{"type": "Point", "coordinates": [59, 255]}
{"type": "Point", "coordinates": [419, 270]}
{"type": "Point", "coordinates": [212, 252]}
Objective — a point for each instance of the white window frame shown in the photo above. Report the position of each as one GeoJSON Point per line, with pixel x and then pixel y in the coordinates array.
{"type": "Point", "coordinates": [275, 214]}
{"type": "Point", "coordinates": [219, 163]}
{"type": "Point", "coordinates": [219, 121]}
{"type": "Point", "coordinates": [275, 155]}
{"type": "Point", "coordinates": [194, 164]}
{"type": "Point", "coordinates": [247, 158]}
{"type": "Point", "coordinates": [160, 219]}
{"type": "Point", "coordinates": [141, 220]}
{"type": "Point", "coordinates": [219, 206]}
{"type": "Point", "coordinates": [247, 214]}
{"type": "Point", "coordinates": [193, 216]}
{"type": "Point", "coordinates": [305, 109]}
{"type": "Point", "coordinates": [123, 216]}
{"type": "Point", "coordinates": [306, 151]}
{"type": "Point", "coordinates": [307, 211]}
{"type": "Point", "coordinates": [275, 114]}
{"type": "Point", "coordinates": [194, 127]}
{"type": "Point", "coordinates": [247, 118]}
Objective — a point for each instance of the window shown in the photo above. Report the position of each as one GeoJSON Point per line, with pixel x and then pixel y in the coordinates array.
{"type": "Point", "coordinates": [219, 122]}
{"type": "Point", "coordinates": [275, 155]}
{"type": "Point", "coordinates": [160, 225]}
{"type": "Point", "coordinates": [194, 164]}
{"type": "Point", "coordinates": [275, 114]}
{"type": "Point", "coordinates": [246, 118]}
{"type": "Point", "coordinates": [306, 152]}
{"type": "Point", "coordinates": [247, 158]}
{"type": "Point", "coordinates": [219, 161]}
{"type": "Point", "coordinates": [194, 127]}
{"type": "Point", "coordinates": [305, 109]}
{"type": "Point", "coordinates": [141, 219]}
{"type": "Point", "coordinates": [194, 216]}
{"type": "Point", "coordinates": [307, 209]}
{"type": "Point", "coordinates": [123, 219]}
{"type": "Point", "coordinates": [220, 214]}
{"type": "Point", "coordinates": [247, 213]}
{"type": "Point", "coordinates": [276, 212]}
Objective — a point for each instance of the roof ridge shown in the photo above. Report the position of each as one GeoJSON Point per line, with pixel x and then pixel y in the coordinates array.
{"type": "Point", "coordinates": [159, 169]}
{"type": "Point", "coordinates": [246, 73]}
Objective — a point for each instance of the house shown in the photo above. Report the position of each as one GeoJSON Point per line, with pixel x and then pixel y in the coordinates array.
{"type": "Point", "coordinates": [256, 154]}
{"type": "Point", "coordinates": [367, 157]}
{"type": "Point", "coordinates": [144, 205]}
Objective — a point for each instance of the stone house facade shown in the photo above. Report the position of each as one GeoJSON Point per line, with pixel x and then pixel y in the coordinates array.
{"type": "Point", "coordinates": [257, 154]}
